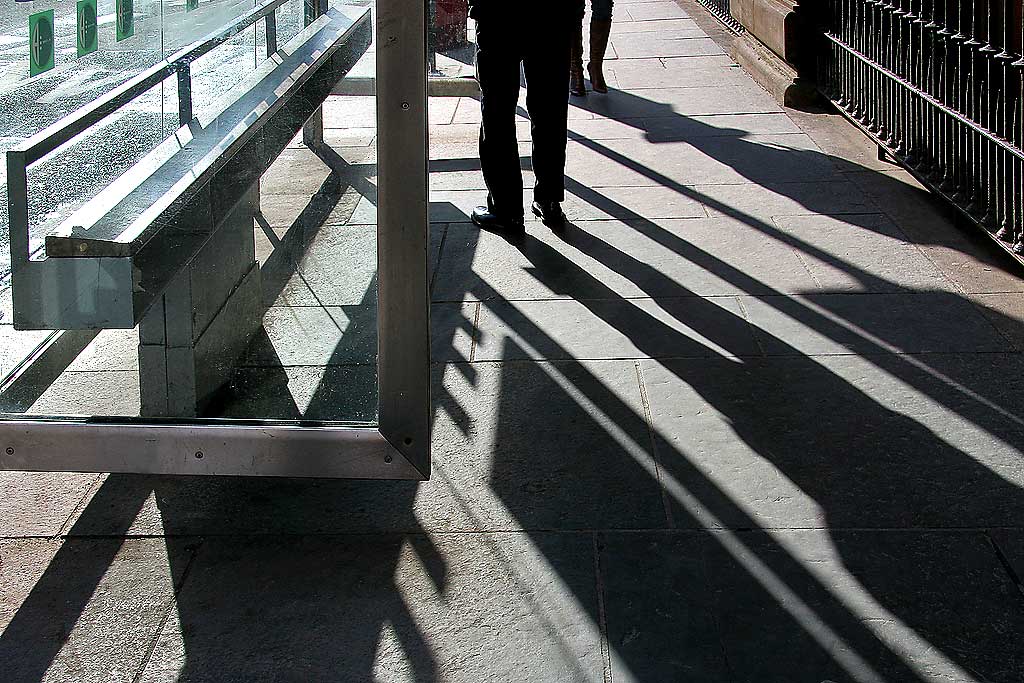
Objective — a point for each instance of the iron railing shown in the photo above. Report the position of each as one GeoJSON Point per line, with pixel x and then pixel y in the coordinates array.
{"type": "Point", "coordinates": [937, 83]}
{"type": "Point", "coordinates": [720, 8]}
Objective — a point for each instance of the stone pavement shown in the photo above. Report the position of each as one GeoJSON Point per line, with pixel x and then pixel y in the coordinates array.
{"type": "Point", "coordinates": [751, 418]}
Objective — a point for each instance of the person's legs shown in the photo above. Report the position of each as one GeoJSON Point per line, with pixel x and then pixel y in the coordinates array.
{"type": "Point", "coordinates": [576, 85]}
{"type": "Point", "coordinates": [546, 64]}
{"type": "Point", "coordinates": [600, 27]}
{"type": "Point", "coordinates": [497, 65]}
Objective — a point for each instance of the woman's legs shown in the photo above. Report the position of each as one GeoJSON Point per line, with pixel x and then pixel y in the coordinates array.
{"type": "Point", "coordinates": [576, 85]}
{"type": "Point", "coordinates": [600, 27]}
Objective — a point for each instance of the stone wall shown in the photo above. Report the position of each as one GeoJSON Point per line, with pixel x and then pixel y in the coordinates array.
{"type": "Point", "coordinates": [776, 47]}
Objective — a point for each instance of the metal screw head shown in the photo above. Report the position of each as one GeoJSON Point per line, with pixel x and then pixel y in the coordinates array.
{"type": "Point", "coordinates": [199, 455]}
{"type": "Point", "coordinates": [387, 459]}
{"type": "Point", "coordinates": [9, 451]}
{"type": "Point", "coordinates": [405, 106]}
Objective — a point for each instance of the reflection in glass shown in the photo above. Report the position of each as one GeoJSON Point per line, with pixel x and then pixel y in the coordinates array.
{"type": "Point", "coordinates": [451, 39]}
{"type": "Point", "coordinates": [275, 316]}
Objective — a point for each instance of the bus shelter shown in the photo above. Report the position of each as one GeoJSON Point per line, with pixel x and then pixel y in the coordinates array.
{"type": "Point", "coordinates": [213, 266]}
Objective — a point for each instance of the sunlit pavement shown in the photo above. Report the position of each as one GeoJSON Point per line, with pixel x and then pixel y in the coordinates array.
{"type": "Point", "coordinates": [752, 417]}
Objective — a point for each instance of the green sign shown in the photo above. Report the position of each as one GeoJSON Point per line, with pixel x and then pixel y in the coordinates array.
{"type": "Point", "coordinates": [40, 42]}
{"type": "Point", "coordinates": [125, 15]}
{"type": "Point", "coordinates": [191, 5]}
{"type": "Point", "coordinates": [88, 35]}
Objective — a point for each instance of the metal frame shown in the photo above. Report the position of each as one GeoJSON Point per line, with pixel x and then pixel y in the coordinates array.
{"type": "Point", "coordinates": [399, 448]}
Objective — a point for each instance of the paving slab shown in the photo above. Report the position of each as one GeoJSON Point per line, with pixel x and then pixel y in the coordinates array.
{"type": "Point", "coordinates": [514, 465]}
{"type": "Point", "coordinates": [878, 442]}
{"type": "Point", "coordinates": [489, 473]}
{"type": "Point", "coordinates": [466, 175]}
{"type": "Point", "coordinates": [851, 149]}
{"type": "Point", "coordinates": [1010, 543]}
{"type": "Point", "coordinates": [757, 204]}
{"type": "Point", "coordinates": [820, 324]}
{"type": "Point", "coordinates": [452, 608]}
{"type": "Point", "coordinates": [334, 266]}
{"type": "Point", "coordinates": [668, 43]}
{"type": "Point", "coordinates": [316, 336]}
{"type": "Point", "coordinates": [350, 111]}
{"type": "Point", "coordinates": [674, 102]}
{"type": "Point", "coordinates": [15, 345]}
{"type": "Point", "coordinates": [598, 259]}
{"type": "Point", "coordinates": [740, 125]}
{"type": "Point", "coordinates": [91, 393]}
{"type": "Point", "coordinates": [860, 253]}
{"type": "Point", "coordinates": [341, 137]}
{"type": "Point", "coordinates": [964, 255]}
{"type": "Point", "coordinates": [688, 327]}
{"type": "Point", "coordinates": [581, 203]}
{"type": "Point", "coordinates": [303, 172]}
{"type": "Point", "coordinates": [1006, 313]}
{"type": "Point", "coordinates": [654, 11]}
{"type": "Point", "coordinates": [704, 160]}
{"type": "Point", "coordinates": [758, 607]}
{"type": "Point", "coordinates": [335, 393]}
{"type": "Point", "coordinates": [663, 627]}
{"type": "Point", "coordinates": [712, 71]}
{"type": "Point", "coordinates": [84, 609]}
{"type": "Point", "coordinates": [110, 350]}
{"type": "Point", "coordinates": [40, 503]}
{"type": "Point", "coordinates": [674, 129]}
{"type": "Point", "coordinates": [836, 606]}
{"type": "Point", "coordinates": [308, 213]}
{"type": "Point", "coordinates": [623, 27]}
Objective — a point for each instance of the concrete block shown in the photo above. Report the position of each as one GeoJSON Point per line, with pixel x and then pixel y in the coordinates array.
{"type": "Point", "coordinates": [224, 341]}
{"type": "Point", "coordinates": [222, 264]}
{"type": "Point", "coordinates": [153, 380]}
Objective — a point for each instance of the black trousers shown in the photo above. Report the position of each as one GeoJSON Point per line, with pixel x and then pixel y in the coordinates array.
{"type": "Point", "coordinates": [542, 48]}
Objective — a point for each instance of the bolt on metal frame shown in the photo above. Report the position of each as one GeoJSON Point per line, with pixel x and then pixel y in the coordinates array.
{"type": "Point", "coordinates": [399, 447]}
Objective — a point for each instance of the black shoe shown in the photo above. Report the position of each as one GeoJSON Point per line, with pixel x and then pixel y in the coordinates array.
{"type": "Point", "coordinates": [550, 214]}
{"type": "Point", "coordinates": [483, 218]}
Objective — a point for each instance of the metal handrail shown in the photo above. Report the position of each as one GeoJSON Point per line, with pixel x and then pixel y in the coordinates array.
{"type": "Point", "coordinates": [1002, 142]}
{"type": "Point", "coordinates": [47, 140]}
{"type": "Point", "coordinates": [939, 85]}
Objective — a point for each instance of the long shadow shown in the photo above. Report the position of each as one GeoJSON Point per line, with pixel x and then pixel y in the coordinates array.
{"type": "Point", "coordinates": [865, 464]}
{"type": "Point", "coordinates": [246, 605]}
{"type": "Point", "coordinates": [784, 170]}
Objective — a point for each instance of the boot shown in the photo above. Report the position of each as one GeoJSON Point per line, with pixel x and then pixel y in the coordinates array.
{"type": "Point", "coordinates": [576, 85]}
{"type": "Point", "coordinates": [599, 30]}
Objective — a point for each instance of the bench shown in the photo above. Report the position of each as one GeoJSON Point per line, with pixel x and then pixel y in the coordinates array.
{"type": "Point", "coordinates": [169, 246]}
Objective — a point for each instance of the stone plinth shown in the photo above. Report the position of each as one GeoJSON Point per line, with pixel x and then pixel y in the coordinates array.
{"type": "Point", "coordinates": [775, 48]}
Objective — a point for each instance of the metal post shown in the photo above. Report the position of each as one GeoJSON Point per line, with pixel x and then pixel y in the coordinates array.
{"type": "Point", "coordinates": [184, 94]}
{"type": "Point", "coordinates": [402, 232]}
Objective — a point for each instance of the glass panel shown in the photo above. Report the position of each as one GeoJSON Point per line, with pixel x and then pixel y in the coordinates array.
{"type": "Point", "coordinates": [29, 104]}
{"type": "Point", "coordinates": [275, 315]}
{"type": "Point", "coordinates": [451, 39]}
